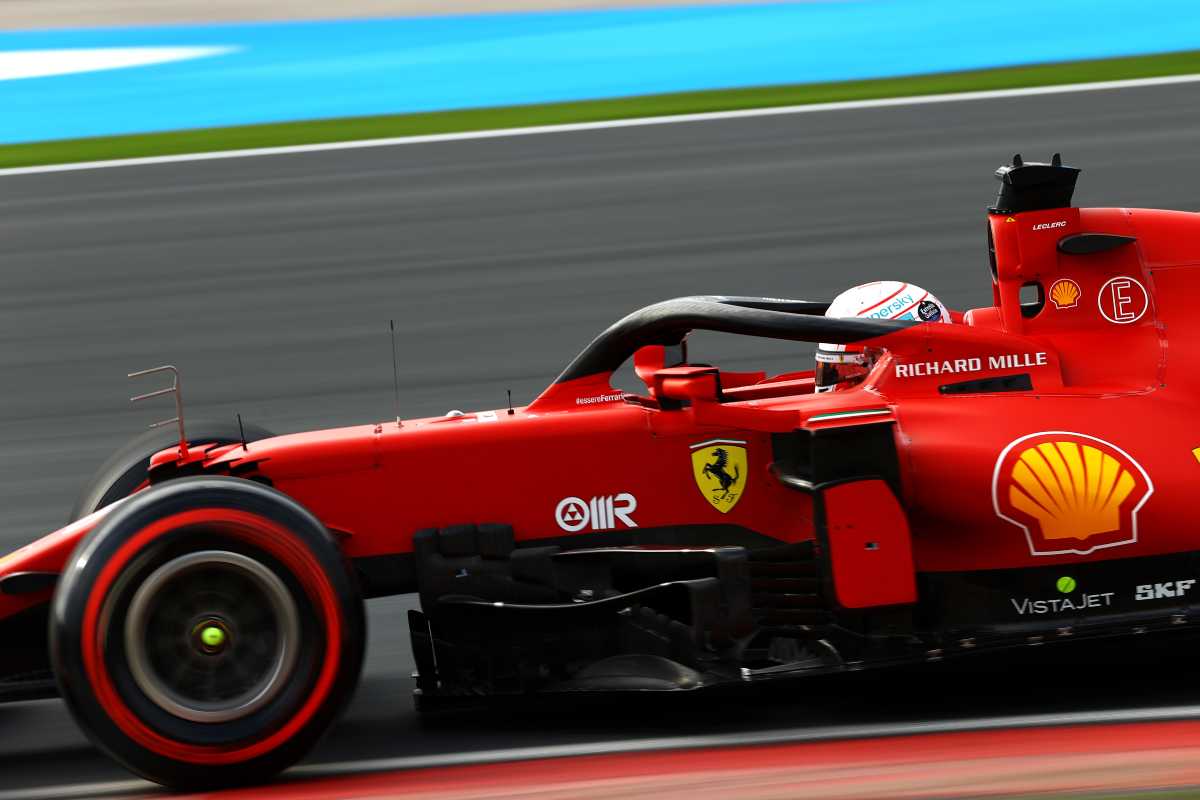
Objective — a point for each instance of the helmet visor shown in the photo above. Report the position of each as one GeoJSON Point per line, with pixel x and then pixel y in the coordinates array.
{"type": "Point", "coordinates": [829, 374]}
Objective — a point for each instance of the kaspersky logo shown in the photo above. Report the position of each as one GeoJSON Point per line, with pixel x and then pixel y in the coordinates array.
{"type": "Point", "coordinates": [1069, 492]}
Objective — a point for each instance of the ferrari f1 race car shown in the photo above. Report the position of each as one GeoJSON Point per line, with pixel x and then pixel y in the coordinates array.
{"type": "Point", "coordinates": [994, 483]}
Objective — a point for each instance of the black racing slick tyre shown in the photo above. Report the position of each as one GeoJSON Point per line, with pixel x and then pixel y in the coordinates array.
{"type": "Point", "coordinates": [125, 471]}
{"type": "Point", "coordinates": [207, 632]}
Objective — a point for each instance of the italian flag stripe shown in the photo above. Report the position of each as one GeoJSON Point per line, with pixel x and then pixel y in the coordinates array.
{"type": "Point", "coordinates": [844, 414]}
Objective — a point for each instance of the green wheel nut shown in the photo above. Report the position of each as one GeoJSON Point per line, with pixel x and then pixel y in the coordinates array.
{"type": "Point", "coordinates": [1066, 584]}
{"type": "Point", "coordinates": [214, 637]}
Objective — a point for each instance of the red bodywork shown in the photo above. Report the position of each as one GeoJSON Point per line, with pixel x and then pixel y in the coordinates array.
{"type": "Point", "coordinates": [1113, 376]}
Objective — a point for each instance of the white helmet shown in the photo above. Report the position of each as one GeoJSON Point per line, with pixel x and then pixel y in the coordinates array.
{"type": "Point", "coordinates": [839, 364]}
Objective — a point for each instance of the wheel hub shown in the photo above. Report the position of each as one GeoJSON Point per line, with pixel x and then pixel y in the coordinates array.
{"type": "Point", "coordinates": [212, 636]}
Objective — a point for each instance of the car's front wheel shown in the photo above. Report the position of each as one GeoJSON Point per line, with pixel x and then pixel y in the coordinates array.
{"type": "Point", "coordinates": [207, 632]}
{"type": "Point", "coordinates": [128, 469]}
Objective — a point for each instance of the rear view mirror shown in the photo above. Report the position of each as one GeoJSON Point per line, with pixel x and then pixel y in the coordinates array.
{"type": "Point", "coordinates": [688, 384]}
{"type": "Point", "coordinates": [648, 360]}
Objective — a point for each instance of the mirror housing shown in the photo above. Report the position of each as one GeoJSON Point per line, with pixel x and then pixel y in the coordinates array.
{"type": "Point", "coordinates": [687, 385]}
{"type": "Point", "coordinates": [650, 359]}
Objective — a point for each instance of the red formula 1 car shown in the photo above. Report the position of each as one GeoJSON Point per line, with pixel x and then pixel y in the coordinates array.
{"type": "Point", "coordinates": [1020, 477]}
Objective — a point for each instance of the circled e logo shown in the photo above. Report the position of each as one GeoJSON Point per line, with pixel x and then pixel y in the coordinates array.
{"type": "Point", "coordinates": [1123, 300]}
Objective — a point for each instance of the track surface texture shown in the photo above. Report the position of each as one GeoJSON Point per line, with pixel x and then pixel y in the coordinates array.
{"type": "Point", "coordinates": [269, 282]}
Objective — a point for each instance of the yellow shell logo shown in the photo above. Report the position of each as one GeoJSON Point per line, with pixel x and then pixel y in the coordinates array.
{"type": "Point", "coordinates": [1071, 493]}
{"type": "Point", "coordinates": [1064, 293]}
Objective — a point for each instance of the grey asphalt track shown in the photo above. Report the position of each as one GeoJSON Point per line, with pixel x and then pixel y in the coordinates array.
{"type": "Point", "coordinates": [270, 281]}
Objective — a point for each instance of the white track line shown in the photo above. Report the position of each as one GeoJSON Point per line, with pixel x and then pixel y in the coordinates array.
{"type": "Point", "coordinates": [958, 97]}
{"type": "Point", "coordinates": [782, 736]}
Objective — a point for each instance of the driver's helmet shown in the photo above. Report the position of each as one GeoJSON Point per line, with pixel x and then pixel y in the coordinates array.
{"type": "Point", "coordinates": [847, 364]}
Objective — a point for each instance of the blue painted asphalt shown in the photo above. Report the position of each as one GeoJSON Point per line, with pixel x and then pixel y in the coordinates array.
{"type": "Point", "coordinates": [307, 70]}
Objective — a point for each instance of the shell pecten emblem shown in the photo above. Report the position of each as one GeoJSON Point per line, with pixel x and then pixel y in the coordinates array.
{"type": "Point", "coordinates": [1070, 492]}
{"type": "Point", "coordinates": [1064, 293]}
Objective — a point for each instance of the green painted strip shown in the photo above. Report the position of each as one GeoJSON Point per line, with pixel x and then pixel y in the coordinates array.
{"type": "Point", "coordinates": [844, 414]}
{"type": "Point", "coordinates": [358, 128]}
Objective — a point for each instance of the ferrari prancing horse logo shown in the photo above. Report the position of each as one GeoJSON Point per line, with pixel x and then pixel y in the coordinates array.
{"type": "Point", "coordinates": [720, 468]}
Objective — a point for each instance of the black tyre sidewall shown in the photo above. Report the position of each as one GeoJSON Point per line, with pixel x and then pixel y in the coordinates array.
{"type": "Point", "coordinates": [74, 592]}
{"type": "Point", "coordinates": [127, 468]}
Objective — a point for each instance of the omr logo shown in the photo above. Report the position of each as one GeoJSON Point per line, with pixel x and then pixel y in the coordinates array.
{"type": "Point", "coordinates": [1069, 492]}
{"type": "Point", "coordinates": [573, 514]}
